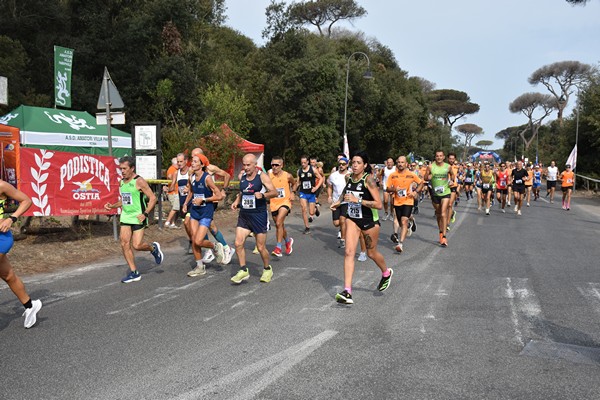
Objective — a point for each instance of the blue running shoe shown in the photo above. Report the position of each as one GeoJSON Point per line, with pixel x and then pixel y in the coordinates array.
{"type": "Point", "coordinates": [133, 276]}
{"type": "Point", "coordinates": [157, 253]}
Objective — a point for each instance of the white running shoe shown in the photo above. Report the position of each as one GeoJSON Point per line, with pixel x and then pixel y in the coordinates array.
{"type": "Point", "coordinates": [516, 207]}
{"type": "Point", "coordinates": [339, 235]}
{"type": "Point", "coordinates": [385, 217]}
{"type": "Point", "coordinates": [219, 253]}
{"type": "Point", "coordinates": [519, 212]}
{"type": "Point", "coordinates": [527, 204]}
{"type": "Point", "coordinates": [208, 256]}
{"type": "Point", "coordinates": [229, 252]}
{"type": "Point", "coordinates": [30, 313]}
{"type": "Point", "coordinates": [487, 211]}
{"type": "Point", "coordinates": [199, 270]}
{"type": "Point", "coordinates": [503, 211]}
{"type": "Point", "coordinates": [362, 257]}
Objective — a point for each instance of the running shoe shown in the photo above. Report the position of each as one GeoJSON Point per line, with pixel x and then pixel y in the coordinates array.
{"type": "Point", "coordinates": [398, 248]}
{"type": "Point", "coordinates": [519, 212]}
{"type": "Point", "coordinates": [487, 211]}
{"type": "Point", "coordinates": [208, 256]}
{"type": "Point", "coordinates": [385, 217]}
{"type": "Point", "coordinates": [394, 238]}
{"type": "Point", "coordinates": [277, 252]}
{"type": "Point", "coordinates": [416, 210]}
{"type": "Point", "coordinates": [339, 235]}
{"type": "Point", "coordinates": [344, 297]}
{"type": "Point", "coordinates": [157, 253]}
{"type": "Point", "coordinates": [255, 251]}
{"type": "Point", "coordinates": [219, 253]}
{"type": "Point", "coordinates": [342, 244]}
{"type": "Point", "coordinates": [444, 242]}
{"type": "Point", "coordinates": [516, 207]}
{"type": "Point", "coordinates": [199, 270]}
{"type": "Point", "coordinates": [30, 314]}
{"type": "Point", "coordinates": [362, 257]}
{"type": "Point", "coordinates": [448, 228]}
{"type": "Point", "coordinates": [413, 227]}
{"type": "Point", "coordinates": [241, 276]}
{"type": "Point", "coordinates": [267, 275]}
{"type": "Point", "coordinates": [527, 204]}
{"type": "Point", "coordinates": [317, 212]}
{"type": "Point", "coordinates": [453, 216]}
{"type": "Point", "coordinates": [306, 231]}
{"type": "Point", "coordinates": [228, 252]}
{"type": "Point", "coordinates": [384, 283]}
{"type": "Point", "coordinates": [508, 203]}
{"type": "Point", "coordinates": [568, 208]}
{"type": "Point", "coordinates": [310, 220]}
{"type": "Point", "coordinates": [289, 246]}
{"type": "Point", "coordinates": [503, 211]}
{"type": "Point", "coordinates": [132, 276]}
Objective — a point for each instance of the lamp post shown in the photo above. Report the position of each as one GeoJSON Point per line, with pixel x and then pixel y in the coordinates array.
{"type": "Point", "coordinates": [576, 139]}
{"type": "Point", "coordinates": [366, 75]}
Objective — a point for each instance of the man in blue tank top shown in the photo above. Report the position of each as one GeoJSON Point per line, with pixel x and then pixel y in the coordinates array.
{"type": "Point", "coordinates": [255, 188]}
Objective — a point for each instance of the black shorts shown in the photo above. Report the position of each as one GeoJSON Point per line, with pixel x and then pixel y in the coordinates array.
{"type": "Point", "coordinates": [486, 191]}
{"type": "Point", "coordinates": [363, 224]}
{"type": "Point", "coordinates": [404, 210]}
{"type": "Point", "coordinates": [550, 184]}
{"type": "Point", "coordinates": [276, 212]}
{"type": "Point", "coordinates": [255, 222]}
{"type": "Point", "coordinates": [453, 189]}
{"type": "Point", "coordinates": [136, 227]}
{"type": "Point", "coordinates": [566, 188]}
{"type": "Point", "coordinates": [438, 199]}
{"type": "Point", "coordinates": [502, 191]}
{"type": "Point", "coordinates": [519, 188]}
{"type": "Point", "coordinates": [336, 214]}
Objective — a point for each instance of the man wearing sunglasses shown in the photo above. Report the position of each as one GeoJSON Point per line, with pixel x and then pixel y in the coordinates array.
{"type": "Point", "coordinates": [281, 205]}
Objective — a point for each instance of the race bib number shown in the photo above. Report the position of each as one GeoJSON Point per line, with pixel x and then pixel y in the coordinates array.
{"type": "Point", "coordinates": [519, 181]}
{"type": "Point", "coordinates": [280, 193]}
{"type": "Point", "coordinates": [569, 180]}
{"type": "Point", "coordinates": [182, 190]}
{"type": "Point", "coordinates": [126, 199]}
{"type": "Point", "coordinates": [502, 183]}
{"type": "Point", "coordinates": [248, 202]}
{"type": "Point", "coordinates": [201, 197]}
{"type": "Point", "coordinates": [306, 185]}
{"type": "Point", "coordinates": [439, 189]}
{"type": "Point", "coordinates": [355, 210]}
{"type": "Point", "coordinates": [468, 180]}
{"type": "Point", "coordinates": [486, 185]}
{"type": "Point", "coordinates": [401, 193]}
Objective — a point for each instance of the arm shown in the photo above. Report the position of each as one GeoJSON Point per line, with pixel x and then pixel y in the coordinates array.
{"type": "Point", "coordinates": [143, 186]}
{"type": "Point", "coordinates": [173, 183]}
{"type": "Point", "coordinates": [188, 188]}
{"type": "Point", "coordinates": [213, 169]}
{"type": "Point", "coordinates": [271, 191]}
{"type": "Point", "coordinates": [319, 180]}
{"type": "Point", "coordinates": [428, 174]}
{"type": "Point", "coordinates": [374, 190]}
{"type": "Point", "coordinates": [291, 184]}
{"type": "Point", "coordinates": [15, 194]}
{"type": "Point", "coordinates": [217, 194]}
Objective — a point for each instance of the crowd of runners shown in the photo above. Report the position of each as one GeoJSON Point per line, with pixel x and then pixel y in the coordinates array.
{"type": "Point", "coordinates": [356, 191]}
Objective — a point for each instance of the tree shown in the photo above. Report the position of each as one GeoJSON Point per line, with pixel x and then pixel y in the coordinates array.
{"type": "Point", "coordinates": [529, 104]}
{"type": "Point", "coordinates": [577, 2]}
{"type": "Point", "coordinates": [469, 131]}
{"type": "Point", "coordinates": [484, 144]}
{"type": "Point", "coordinates": [451, 105]}
{"type": "Point", "coordinates": [325, 13]}
{"type": "Point", "coordinates": [566, 75]}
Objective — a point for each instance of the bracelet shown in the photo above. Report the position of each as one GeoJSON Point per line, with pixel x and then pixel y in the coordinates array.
{"type": "Point", "coordinates": [13, 218]}
{"type": "Point", "coordinates": [145, 214]}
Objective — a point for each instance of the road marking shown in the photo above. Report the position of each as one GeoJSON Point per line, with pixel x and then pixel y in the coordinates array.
{"type": "Point", "coordinates": [274, 368]}
{"type": "Point", "coordinates": [592, 294]}
{"type": "Point", "coordinates": [524, 307]}
{"type": "Point", "coordinates": [438, 297]}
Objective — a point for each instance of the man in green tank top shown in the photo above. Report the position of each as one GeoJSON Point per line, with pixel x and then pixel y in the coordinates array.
{"type": "Point", "coordinates": [134, 191]}
{"type": "Point", "coordinates": [440, 174]}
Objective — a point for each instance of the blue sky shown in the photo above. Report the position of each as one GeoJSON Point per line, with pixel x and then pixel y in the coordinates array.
{"type": "Point", "coordinates": [485, 48]}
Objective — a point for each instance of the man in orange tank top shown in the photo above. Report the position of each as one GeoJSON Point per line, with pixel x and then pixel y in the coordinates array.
{"type": "Point", "coordinates": [281, 205]}
{"type": "Point", "coordinates": [567, 178]}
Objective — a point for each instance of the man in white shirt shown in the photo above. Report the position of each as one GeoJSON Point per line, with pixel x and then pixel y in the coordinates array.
{"type": "Point", "coordinates": [388, 202]}
{"type": "Point", "coordinates": [335, 186]}
{"type": "Point", "coordinates": [551, 177]}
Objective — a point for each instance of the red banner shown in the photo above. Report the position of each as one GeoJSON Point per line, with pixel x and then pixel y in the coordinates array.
{"type": "Point", "coordinates": [61, 183]}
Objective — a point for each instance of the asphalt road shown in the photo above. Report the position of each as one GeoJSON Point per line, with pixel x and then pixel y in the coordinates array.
{"type": "Point", "coordinates": [510, 310]}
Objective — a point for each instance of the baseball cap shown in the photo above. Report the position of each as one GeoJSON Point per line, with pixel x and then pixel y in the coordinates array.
{"type": "Point", "coordinates": [568, 165]}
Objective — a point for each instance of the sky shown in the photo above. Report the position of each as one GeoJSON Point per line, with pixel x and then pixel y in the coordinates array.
{"type": "Point", "coordinates": [485, 48]}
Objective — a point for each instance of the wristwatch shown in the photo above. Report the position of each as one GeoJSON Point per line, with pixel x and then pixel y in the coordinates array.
{"type": "Point", "coordinates": [13, 218]}
{"type": "Point", "coordinates": [145, 214]}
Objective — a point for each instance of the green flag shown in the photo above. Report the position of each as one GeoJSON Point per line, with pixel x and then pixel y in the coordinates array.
{"type": "Point", "coordinates": [63, 61]}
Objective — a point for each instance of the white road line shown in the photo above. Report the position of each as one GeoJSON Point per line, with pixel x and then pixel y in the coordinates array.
{"type": "Point", "coordinates": [592, 293]}
{"type": "Point", "coordinates": [439, 296]}
{"type": "Point", "coordinates": [524, 307]}
{"type": "Point", "coordinates": [272, 368]}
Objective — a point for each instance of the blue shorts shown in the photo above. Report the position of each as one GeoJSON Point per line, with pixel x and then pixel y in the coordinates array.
{"type": "Point", "coordinates": [310, 197]}
{"type": "Point", "coordinates": [6, 242]}
{"type": "Point", "coordinates": [254, 222]}
{"type": "Point", "coordinates": [537, 185]}
{"type": "Point", "coordinates": [205, 222]}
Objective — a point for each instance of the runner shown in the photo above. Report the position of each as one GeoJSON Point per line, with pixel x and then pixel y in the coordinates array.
{"type": "Point", "coordinates": [281, 205]}
{"type": "Point", "coordinates": [318, 166]}
{"type": "Point", "coordinates": [134, 191]}
{"type": "Point", "coordinates": [529, 183]}
{"type": "Point", "coordinates": [487, 181]}
{"type": "Point", "coordinates": [440, 175]}
{"type": "Point", "coordinates": [517, 180]}
{"type": "Point", "coordinates": [202, 191]}
{"type": "Point", "coordinates": [502, 186]}
{"type": "Point", "coordinates": [172, 195]}
{"type": "Point", "coordinates": [255, 188]}
{"type": "Point", "coordinates": [567, 177]}
{"type": "Point", "coordinates": [537, 182]}
{"type": "Point", "coordinates": [400, 185]}
{"type": "Point", "coordinates": [8, 191]}
{"type": "Point", "coordinates": [509, 169]}
{"type": "Point", "coordinates": [180, 181]}
{"type": "Point", "coordinates": [477, 177]}
{"type": "Point", "coordinates": [453, 187]}
{"type": "Point", "coordinates": [362, 199]}
{"type": "Point", "coordinates": [335, 185]}
{"type": "Point", "coordinates": [468, 181]}
{"type": "Point", "coordinates": [551, 177]}
{"type": "Point", "coordinates": [388, 203]}
{"type": "Point", "coordinates": [307, 182]}
{"type": "Point", "coordinates": [214, 230]}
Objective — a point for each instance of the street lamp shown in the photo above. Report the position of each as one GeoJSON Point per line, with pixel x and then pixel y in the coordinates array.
{"type": "Point", "coordinates": [576, 139]}
{"type": "Point", "coordinates": [366, 75]}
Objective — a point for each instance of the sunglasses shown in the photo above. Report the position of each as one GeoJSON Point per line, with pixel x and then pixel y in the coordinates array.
{"type": "Point", "coordinates": [275, 165]}
{"type": "Point", "coordinates": [343, 163]}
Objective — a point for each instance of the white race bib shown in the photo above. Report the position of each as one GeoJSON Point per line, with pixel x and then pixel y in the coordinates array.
{"type": "Point", "coordinates": [502, 183]}
{"type": "Point", "coordinates": [518, 181]}
{"type": "Point", "coordinates": [439, 189]}
{"type": "Point", "coordinates": [569, 180]}
{"type": "Point", "coordinates": [306, 185]}
{"type": "Point", "coordinates": [355, 210]}
{"type": "Point", "coordinates": [486, 185]}
{"type": "Point", "coordinates": [248, 202]}
{"type": "Point", "coordinates": [280, 193]}
{"type": "Point", "coordinates": [126, 199]}
{"type": "Point", "coordinates": [401, 193]}
{"type": "Point", "coordinates": [201, 197]}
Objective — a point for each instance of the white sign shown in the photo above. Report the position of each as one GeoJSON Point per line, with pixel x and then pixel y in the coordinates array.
{"type": "Point", "coordinates": [3, 90]}
{"type": "Point", "coordinates": [69, 139]}
{"type": "Point", "coordinates": [145, 166]}
{"type": "Point", "coordinates": [117, 118]}
{"type": "Point", "coordinates": [145, 137]}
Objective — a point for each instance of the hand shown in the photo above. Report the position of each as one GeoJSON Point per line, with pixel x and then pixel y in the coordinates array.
{"type": "Point", "coordinates": [234, 206]}
{"type": "Point", "coordinates": [329, 200]}
{"type": "Point", "coordinates": [184, 209]}
{"type": "Point", "coordinates": [141, 218]}
{"type": "Point", "coordinates": [259, 195]}
{"type": "Point", "coordinates": [5, 225]}
{"type": "Point", "coordinates": [313, 190]}
{"type": "Point", "coordinates": [108, 206]}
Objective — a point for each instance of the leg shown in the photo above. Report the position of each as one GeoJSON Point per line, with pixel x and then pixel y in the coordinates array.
{"type": "Point", "coordinates": [352, 238]}
{"type": "Point", "coordinates": [261, 240]}
{"type": "Point", "coordinates": [404, 223]}
{"type": "Point", "coordinates": [304, 205]}
{"type": "Point", "coordinates": [240, 238]}
{"type": "Point", "coordinates": [126, 235]}
{"type": "Point", "coordinates": [371, 237]}
{"type": "Point", "coordinates": [14, 282]}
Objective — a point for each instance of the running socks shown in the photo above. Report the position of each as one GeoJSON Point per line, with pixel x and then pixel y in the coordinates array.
{"type": "Point", "coordinates": [28, 304]}
{"type": "Point", "coordinates": [387, 273]}
{"type": "Point", "coordinates": [278, 245]}
{"type": "Point", "coordinates": [219, 237]}
{"type": "Point", "coordinates": [349, 290]}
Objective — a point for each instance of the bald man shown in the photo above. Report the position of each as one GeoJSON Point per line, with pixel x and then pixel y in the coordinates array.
{"type": "Point", "coordinates": [255, 188]}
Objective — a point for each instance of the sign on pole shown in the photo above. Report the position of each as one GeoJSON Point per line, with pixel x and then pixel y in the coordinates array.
{"type": "Point", "coordinates": [109, 94]}
{"type": "Point", "coordinates": [63, 63]}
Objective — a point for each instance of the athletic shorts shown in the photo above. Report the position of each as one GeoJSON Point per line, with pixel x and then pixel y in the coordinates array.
{"type": "Point", "coordinates": [174, 200]}
{"type": "Point", "coordinates": [6, 242]}
{"type": "Point", "coordinates": [276, 212]}
{"type": "Point", "coordinates": [216, 205]}
{"type": "Point", "coordinates": [438, 199]}
{"type": "Point", "coordinates": [336, 214]}
{"type": "Point", "coordinates": [135, 227]}
{"type": "Point", "coordinates": [255, 222]}
{"type": "Point", "coordinates": [566, 188]}
{"type": "Point", "coordinates": [364, 225]}
{"type": "Point", "coordinates": [310, 197]}
{"type": "Point", "coordinates": [519, 188]}
{"type": "Point", "coordinates": [453, 189]}
{"type": "Point", "coordinates": [502, 191]}
{"type": "Point", "coordinates": [485, 191]}
{"type": "Point", "coordinates": [536, 185]}
{"type": "Point", "coordinates": [550, 184]}
{"type": "Point", "coordinates": [403, 211]}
